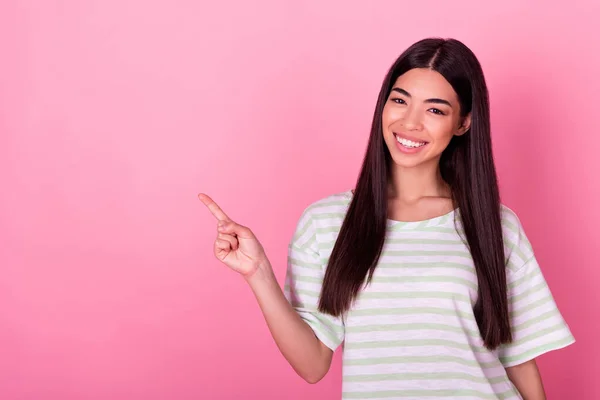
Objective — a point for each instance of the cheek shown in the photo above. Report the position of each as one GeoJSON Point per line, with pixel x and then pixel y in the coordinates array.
{"type": "Point", "coordinates": [441, 129]}
{"type": "Point", "coordinates": [385, 117]}
{"type": "Point", "coordinates": [390, 115]}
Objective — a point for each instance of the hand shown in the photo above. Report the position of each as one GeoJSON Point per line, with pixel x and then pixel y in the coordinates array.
{"type": "Point", "coordinates": [235, 246]}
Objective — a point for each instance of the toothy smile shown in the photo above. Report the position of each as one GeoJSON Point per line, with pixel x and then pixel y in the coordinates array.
{"type": "Point", "coordinates": [409, 143]}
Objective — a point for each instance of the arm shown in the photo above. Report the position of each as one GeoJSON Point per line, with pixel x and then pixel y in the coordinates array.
{"type": "Point", "coordinates": [526, 378]}
{"type": "Point", "coordinates": [307, 355]}
{"type": "Point", "coordinates": [237, 247]}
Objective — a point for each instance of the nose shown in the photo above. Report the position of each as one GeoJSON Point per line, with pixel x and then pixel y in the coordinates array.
{"type": "Point", "coordinates": [412, 119]}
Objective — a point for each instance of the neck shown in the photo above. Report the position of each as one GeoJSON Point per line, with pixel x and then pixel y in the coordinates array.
{"type": "Point", "coordinates": [411, 184]}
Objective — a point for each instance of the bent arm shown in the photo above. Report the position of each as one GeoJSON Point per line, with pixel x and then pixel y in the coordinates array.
{"type": "Point", "coordinates": [307, 355]}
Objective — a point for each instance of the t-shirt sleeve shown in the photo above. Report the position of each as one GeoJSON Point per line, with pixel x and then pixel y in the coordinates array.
{"type": "Point", "coordinates": [537, 324]}
{"type": "Point", "coordinates": [304, 277]}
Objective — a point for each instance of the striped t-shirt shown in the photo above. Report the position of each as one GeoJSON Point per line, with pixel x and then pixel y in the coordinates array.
{"type": "Point", "coordinates": [412, 333]}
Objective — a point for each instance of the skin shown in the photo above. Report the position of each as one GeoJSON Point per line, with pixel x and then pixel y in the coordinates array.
{"type": "Point", "coordinates": [417, 191]}
{"type": "Point", "coordinates": [424, 106]}
{"type": "Point", "coordinates": [527, 379]}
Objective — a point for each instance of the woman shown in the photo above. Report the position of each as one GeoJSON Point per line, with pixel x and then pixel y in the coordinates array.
{"type": "Point", "coordinates": [428, 280]}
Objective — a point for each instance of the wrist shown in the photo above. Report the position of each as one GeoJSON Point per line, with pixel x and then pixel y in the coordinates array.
{"type": "Point", "coordinates": [263, 275]}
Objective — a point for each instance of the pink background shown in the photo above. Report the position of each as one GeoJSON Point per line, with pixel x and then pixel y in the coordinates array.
{"type": "Point", "coordinates": [115, 114]}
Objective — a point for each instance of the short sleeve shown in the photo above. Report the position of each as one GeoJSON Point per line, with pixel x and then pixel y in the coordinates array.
{"type": "Point", "coordinates": [304, 277]}
{"type": "Point", "coordinates": [537, 324]}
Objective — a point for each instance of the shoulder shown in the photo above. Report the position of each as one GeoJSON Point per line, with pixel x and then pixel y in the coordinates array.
{"type": "Point", "coordinates": [323, 217]}
{"type": "Point", "coordinates": [330, 205]}
{"type": "Point", "coordinates": [510, 220]}
{"type": "Point", "coordinates": [518, 249]}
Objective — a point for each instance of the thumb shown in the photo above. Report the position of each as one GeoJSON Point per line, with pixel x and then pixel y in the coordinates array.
{"type": "Point", "coordinates": [231, 227]}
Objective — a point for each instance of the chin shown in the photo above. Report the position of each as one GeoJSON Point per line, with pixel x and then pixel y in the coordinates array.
{"type": "Point", "coordinates": [401, 161]}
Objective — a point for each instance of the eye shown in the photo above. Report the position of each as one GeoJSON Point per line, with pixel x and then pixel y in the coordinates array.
{"type": "Point", "coordinates": [437, 111]}
{"type": "Point", "coordinates": [398, 100]}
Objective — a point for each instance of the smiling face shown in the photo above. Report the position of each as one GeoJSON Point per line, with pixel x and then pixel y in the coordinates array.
{"type": "Point", "coordinates": [420, 117]}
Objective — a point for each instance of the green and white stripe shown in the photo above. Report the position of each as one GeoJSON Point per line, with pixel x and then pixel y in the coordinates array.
{"type": "Point", "coordinates": [411, 332]}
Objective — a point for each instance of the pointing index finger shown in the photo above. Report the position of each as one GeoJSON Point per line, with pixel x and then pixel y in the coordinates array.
{"type": "Point", "coordinates": [213, 207]}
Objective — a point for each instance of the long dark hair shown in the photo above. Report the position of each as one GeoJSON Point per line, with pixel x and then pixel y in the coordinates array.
{"type": "Point", "coordinates": [467, 166]}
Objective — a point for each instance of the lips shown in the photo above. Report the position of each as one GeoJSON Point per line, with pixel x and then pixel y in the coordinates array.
{"type": "Point", "coordinates": [407, 145]}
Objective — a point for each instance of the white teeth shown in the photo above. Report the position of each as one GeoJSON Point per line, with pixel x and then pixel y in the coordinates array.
{"type": "Point", "coordinates": [409, 143]}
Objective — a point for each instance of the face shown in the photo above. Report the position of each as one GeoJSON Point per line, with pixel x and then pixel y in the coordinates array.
{"type": "Point", "coordinates": [420, 117]}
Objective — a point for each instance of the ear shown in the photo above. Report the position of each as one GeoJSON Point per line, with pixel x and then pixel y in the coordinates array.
{"type": "Point", "coordinates": [464, 126]}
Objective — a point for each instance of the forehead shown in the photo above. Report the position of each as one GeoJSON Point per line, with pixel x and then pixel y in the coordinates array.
{"type": "Point", "coordinates": [424, 83]}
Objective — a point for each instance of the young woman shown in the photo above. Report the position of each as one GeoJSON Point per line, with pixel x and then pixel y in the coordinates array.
{"type": "Point", "coordinates": [428, 280]}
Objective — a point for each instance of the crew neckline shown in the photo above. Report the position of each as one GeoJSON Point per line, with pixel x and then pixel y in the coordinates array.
{"type": "Point", "coordinates": [397, 224]}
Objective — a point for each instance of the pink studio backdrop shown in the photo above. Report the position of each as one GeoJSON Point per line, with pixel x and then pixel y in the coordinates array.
{"type": "Point", "coordinates": [115, 114]}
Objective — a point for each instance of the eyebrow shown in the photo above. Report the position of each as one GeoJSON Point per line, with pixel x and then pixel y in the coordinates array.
{"type": "Point", "coordinates": [433, 101]}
